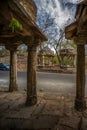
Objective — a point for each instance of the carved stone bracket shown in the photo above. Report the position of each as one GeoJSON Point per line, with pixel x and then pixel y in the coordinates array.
{"type": "Point", "coordinates": [11, 48]}
{"type": "Point", "coordinates": [32, 42]}
{"type": "Point", "coordinates": [80, 40]}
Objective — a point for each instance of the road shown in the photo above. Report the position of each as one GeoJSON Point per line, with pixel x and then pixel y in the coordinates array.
{"type": "Point", "coordinates": [52, 82]}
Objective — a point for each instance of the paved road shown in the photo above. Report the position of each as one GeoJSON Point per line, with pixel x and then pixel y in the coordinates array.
{"type": "Point", "coordinates": [52, 82]}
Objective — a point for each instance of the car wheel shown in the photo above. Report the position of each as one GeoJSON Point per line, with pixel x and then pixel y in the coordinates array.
{"type": "Point", "coordinates": [4, 69]}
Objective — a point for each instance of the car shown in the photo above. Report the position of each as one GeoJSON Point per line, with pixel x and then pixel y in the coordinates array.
{"type": "Point", "coordinates": [4, 66]}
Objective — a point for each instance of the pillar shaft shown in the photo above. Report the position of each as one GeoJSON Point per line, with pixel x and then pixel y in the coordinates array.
{"type": "Point", "coordinates": [42, 60]}
{"type": "Point", "coordinates": [80, 103]}
{"type": "Point", "coordinates": [31, 76]}
{"type": "Point", "coordinates": [13, 71]}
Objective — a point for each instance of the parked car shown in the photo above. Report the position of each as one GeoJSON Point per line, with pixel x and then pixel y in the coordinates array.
{"type": "Point", "coordinates": [4, 66]}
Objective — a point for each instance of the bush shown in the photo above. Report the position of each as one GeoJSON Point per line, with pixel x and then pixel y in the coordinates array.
{"type": "Point", "coordinates": [55, 60]}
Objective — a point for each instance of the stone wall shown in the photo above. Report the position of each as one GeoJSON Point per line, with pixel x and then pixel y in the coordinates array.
{"type": "Point", "coordinates": [21, 61]}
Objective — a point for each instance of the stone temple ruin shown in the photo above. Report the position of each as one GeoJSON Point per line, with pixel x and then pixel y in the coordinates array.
{"type": "Point", "coordinates": [77, 31]}
{"type": "Point", "coordinates": [25, 12]}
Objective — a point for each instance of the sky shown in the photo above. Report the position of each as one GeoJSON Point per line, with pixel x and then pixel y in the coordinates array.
{"type": "Point", "coordinates": [61, 10]}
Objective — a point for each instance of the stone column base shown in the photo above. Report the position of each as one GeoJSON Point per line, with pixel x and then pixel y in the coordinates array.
{"type": "Point", "coordinates": [80, 105]}
{"type": "Point", "coordinates": [32, 100]}
{"type": "Point", "coordinates": [13, 88]}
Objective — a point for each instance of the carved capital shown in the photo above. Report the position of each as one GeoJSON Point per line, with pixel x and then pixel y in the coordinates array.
{"type": "Point", "coordinates": [79, 40]}
{"type": "Point", "coordinates": [33, 42]}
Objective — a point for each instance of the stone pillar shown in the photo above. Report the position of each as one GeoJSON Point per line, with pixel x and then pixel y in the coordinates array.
{"type": "Point", "coordinates": [31, 76]}
{"type": "Point", "coordinates": [42, 60]}
{"type": "Point", "coordinates": [80, 103]}
{"type": "Point", "coordinates": [13, 71]}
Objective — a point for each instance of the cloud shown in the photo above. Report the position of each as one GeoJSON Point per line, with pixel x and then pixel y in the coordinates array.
{"type": "Point", "coordinates": [73, 1]}
{"type": "Point", "coordinates": [62, 11]}
{"type": "Point", "coordinates": [58, 9]}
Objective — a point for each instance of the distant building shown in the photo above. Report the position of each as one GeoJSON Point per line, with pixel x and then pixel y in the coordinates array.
{"type": "Point", "coordinates": [42, 54]}
{"type": "Point", "coordinates": [69, 53]}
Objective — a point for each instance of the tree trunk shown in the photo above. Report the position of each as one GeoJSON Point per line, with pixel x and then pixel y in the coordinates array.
{"type": "Point", "coordinates": [58, 57]}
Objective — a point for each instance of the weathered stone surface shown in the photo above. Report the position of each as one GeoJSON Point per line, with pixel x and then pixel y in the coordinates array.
{"type": "Point", "coordinates": [53, 114]}
{"type": "Point", "coordinates": [13, 71]}
{"type": "Point", "coordinates": [71, 123]}
{"type": "Point", "coordinates": [30, 8]}
{"type": "Point", "coordinates": [64, 128]}
{"type": "Point", "coordinates": [84, 124]}
{"type": "Point", "coordinates": [40, 107]}
{"type": "Point", "coordinates": [44, 122]}
{"type": "Point", "coordinates": [80, 103]}
{"type": "Point", "coordinates": [53, 107]}
{"type": "Point", "coordinates": [31, 76]}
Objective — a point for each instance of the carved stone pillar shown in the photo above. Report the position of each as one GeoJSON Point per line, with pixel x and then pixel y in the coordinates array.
{"type": "Point", "coordinates": [31, 76]}
{"type": "Point", "coordinates": [80, 103]}
{"type": "Point", "coordinates": [13, 70]}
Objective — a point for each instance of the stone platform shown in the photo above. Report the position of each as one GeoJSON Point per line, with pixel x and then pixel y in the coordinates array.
{"type": "Point", "coordinates": [53, 111]}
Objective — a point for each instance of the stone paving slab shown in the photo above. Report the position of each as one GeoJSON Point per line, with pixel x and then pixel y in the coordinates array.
{"type": "Point", "coordinates": [53, 108]}
{"type": "Point", "coordinates": [36, 123]}
{"type": "Point", "coordinates": [72, 123]}
{"type": "Point", "coordinates": [84, 124]}
{"type": "Point", "coordinates": [52, 112]}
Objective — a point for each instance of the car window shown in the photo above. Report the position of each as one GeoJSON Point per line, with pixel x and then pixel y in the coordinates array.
{"type": "Point", "coordinates": [1, 65]}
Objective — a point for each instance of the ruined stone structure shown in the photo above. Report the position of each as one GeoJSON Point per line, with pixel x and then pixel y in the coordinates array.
{"type": "Point", "coordinates": [45, 52]}
{"type": "Point", "coordinates": [25, 12]}
{"type": "Point", "coordinates": [69, 53]}
{"type": "Point", "coordinates": [78, 32]}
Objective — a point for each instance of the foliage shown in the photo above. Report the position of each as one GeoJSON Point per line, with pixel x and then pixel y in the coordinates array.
{"type": "Point", "coordinates": [3, 51]}
{"type": "Point", "coordinates": [57, 44]}
{"type": "Point", "coordinates": [55, 32]}
{"type": "Point", "coordinates": [70, 43]}
{"type": "Point", "coordinates": [70, 62]}
{"type": "Point", "coordinates": [55, 60]}
{"type": "Point", "coordinates": [15, 25]}
{"type": "Point", "coordinates": [46, 58]}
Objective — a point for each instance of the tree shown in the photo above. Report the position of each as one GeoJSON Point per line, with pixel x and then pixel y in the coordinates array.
{"type": "Point", "coordinates": [57, 44]}
{"type": "Point", "coordinates": [47, 23]}
{"type": "Point", "coordinates": [54, 32]}
{"type": "Point", "coordinates": [3, 51]}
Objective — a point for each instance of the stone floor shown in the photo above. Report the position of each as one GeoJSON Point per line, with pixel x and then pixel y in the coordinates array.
{"type": "Point", "coordinates": [52, 112]}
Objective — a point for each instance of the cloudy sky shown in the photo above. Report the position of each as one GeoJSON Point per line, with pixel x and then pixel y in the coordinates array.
{"type": "Point", "coordinates": [61, 10]}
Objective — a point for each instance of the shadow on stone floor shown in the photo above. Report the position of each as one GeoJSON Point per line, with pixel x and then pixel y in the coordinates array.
{"type": "Point", "coordinates": [52, 112]}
